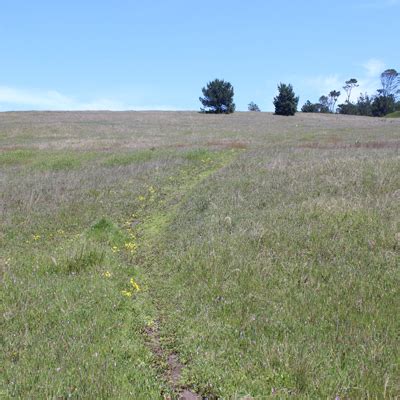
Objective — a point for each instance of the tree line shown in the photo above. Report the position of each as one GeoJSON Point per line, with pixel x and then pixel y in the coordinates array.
{"type": "Point", "coordinates": [218, 98]}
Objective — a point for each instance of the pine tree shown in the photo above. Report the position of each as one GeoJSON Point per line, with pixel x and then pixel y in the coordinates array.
{"type": "Point", "coordinates": [286, 101]}
{"type": "Point", "coordinates": [218, 97]}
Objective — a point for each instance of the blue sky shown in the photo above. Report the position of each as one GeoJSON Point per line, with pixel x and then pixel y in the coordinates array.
{"type": "Point", "coordinates": [68, 55]}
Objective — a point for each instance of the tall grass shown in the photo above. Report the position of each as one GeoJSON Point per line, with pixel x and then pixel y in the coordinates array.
{"type": "Point", "coordinates": [270, 268]}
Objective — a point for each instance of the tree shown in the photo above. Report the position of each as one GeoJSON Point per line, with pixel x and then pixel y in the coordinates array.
{"type": "Point", "coordinates": [364, 105]}
{"type": "Point", "coordinates": [218, 97]}
{"type": "Point", "coordinates": [324, 103]}
{"type": "Point", "coordinates": [347, 108]}
{"type": "Point", "coordinates": [333, 96]}
{"type": "Point", "coordinates": [390, 80]}
{"type": "Point", "coordinates": [253, 107]}
{"type": "Point", "coordinates": [286, 102]}
{"type": "Point", "coordinates": [383, 105]}
{"type": "Point", "coordinates": [320, 107]}
{"type": "Point", "coordinates": [350, 85]}
{"type": "Point", "coordinates": [309, 107]}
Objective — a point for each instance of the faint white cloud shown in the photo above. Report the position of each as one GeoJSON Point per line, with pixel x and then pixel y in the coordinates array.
{"type": "Point", "coordinates": [368, 81]}
{"type": "Point", "coordinates": [22, 99]}
{"type": "Point", "coordinates": [374, 67]}
{"type": "Point", "coordinates": [325, 83]}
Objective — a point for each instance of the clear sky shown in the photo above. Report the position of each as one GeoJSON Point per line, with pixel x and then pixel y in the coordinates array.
{"type": "Point", "coordinates": [120, 54]}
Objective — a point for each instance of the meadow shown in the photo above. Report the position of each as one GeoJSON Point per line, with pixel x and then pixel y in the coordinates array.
{"type": "Point", "coordinates": [149, 254]}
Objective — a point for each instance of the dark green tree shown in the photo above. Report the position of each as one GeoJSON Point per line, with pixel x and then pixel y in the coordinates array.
{"type": "Point", "coordinates": [286, 102]}
{"type": "Point", "coordinates": [309, 107]}
{"type": "Point", "coordinates": [324, 103]}
{"type": "Point", "coordinates": [347, 108]}
{"type": "Point", "coordinates": [364, 105]}
{"type": "Point", "coordinates": [218, 97]}
{"type": "Point", "coordinates": [383, 105]}
{"type": "Point", "coordinates": [253, 107]}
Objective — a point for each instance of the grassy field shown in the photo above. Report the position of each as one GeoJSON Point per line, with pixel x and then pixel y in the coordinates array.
{"type": "Point", "coordinates": [142, 253]}
{"type": "Point", "coordinates": [395, 114]}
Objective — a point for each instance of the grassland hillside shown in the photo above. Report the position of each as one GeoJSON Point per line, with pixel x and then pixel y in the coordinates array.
{"type": "Point", "coordinates": [395, 114]}
{"type": "Point", "coordinates": [143, 254]}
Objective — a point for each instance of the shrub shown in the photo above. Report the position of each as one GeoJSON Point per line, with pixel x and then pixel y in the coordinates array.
{"type": "Point", "coordinates": [253, 107]}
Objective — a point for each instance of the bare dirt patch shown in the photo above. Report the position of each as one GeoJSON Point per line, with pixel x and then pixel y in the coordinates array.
{"type": "Point", "coordinates": [174, 366]}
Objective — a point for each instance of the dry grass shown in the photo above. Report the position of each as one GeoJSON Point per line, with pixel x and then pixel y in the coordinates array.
{"type": "Point", "coordinates": [109, 131]}
{"type": "Point", "coordinates": [266, 250]}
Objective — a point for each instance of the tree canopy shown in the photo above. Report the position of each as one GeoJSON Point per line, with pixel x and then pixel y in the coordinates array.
{"type": "Point", "coordinates": [218, 97]}
{"type": "Point", "coordinates": [286, 101]}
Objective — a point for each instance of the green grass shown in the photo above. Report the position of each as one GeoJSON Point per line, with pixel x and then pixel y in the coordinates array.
{"type": "Point", "coordinates": [395, 114]}
{"type": "Point", "coordinates": [274, 295]}
{"type": "Point", "coordinates": [16, 157]}
{"type": "Point", "coordinates": [129, 158]}
{"type": "Point", "coordinates": [46, 160]}
{"type": "Point", "coordinates": [271, 269]}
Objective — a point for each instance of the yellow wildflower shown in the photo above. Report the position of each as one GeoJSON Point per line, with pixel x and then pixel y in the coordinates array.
{"type": "Point", "coordinates": [126, 293]}
{"type": "Point", "coordinates": [135, 285]}
{"type": "Point", "coordinates": [114, 249]}
{"type": "Point", "coordinates": [149, 321]}
{"type": "Point", "coordinates": [130, 246]}
{"type": "Point", "coordinates": [107, 274]}
{"type": "Point", "coordinates": [36, 237]}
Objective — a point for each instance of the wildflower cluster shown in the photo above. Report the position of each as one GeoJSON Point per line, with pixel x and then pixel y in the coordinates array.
{"type": "Point", "coordinates": [151, 193]}
{"type": "Point", "coordinates": [130, 246]}
{"type": "Point", "coordinates": [134, 284]}
{"type": "Point", "coordinates": [135, 287]}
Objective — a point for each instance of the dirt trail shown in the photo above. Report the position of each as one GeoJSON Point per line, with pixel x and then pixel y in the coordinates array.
{"type": "Point", "coordinates": [149, 233]}
{"type": "Point", "coordinates": [174, 369]}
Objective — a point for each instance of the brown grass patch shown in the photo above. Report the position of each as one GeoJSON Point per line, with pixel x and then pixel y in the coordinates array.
{"type": "Point", "coordinates": [394, 144]}
{"type": "Point", "coordinates": [231, 144]}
